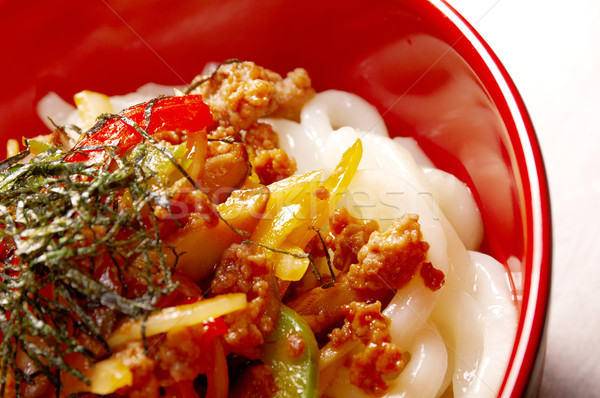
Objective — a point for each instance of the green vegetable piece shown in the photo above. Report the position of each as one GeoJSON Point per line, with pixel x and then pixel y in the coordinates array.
{"type": "Point", "coordinates": [36, 147]}
{"type": "Point", "coordinates": [157, 161]}
{"type": "Point", "coordinates": [293, 355]}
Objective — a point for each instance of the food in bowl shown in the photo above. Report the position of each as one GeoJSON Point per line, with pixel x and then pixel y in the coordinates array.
{"type": "Point", "coordinates": [246, 234]}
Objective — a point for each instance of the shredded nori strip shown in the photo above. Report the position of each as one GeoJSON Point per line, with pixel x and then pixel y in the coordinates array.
{"type": "Point", "coordinates": [48, 210]}
{"type": "Point", "coordinates": [6, 163]}
{"type": "Point", "coordinates": [198, 82]}
{"type": "Point", "coordinates": [328, 258]}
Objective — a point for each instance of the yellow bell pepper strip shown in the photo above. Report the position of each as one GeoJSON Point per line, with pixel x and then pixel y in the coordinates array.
{"type": "Point", "coordinates": [111, 374]}
{"type": "Point", "coordinates": [172, 318]}
{"type": "Point", "coordinates": [294, 210]}
{"type": "Point", "coordinates": [293, 355]}
{"type": "Point", "coordinates": [336, 185]}
{"type": "Point", "coordinates": [287, 209]}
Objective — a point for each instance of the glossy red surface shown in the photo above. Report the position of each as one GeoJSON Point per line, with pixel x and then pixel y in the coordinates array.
{"type": "Point", "coordinates": [426, 70]}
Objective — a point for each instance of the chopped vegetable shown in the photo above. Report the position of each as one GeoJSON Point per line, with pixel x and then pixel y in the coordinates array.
{"type": "Point", "coordinates": [36, 146]}
{"type": "Point", "coordinates": [109, 375]}
{"type": "Point", "coordinates": [161, 165]}
{"type": "Point", "coordinates": [131, 126]}
{"type": "Point", "coordinates": [90, 105]}
{"type": "Point", "coordinates": [218, 378]}
{"type": "Point", "coordinates": [296, 209]}
{"type": "Point", "coordinates": [288, 208]}
{"type": "Point", "coordinates": [171, 318]}
{"type": "Point", "coordinates": [12, 147]}
{"type": "Point", "coordinates": [293, 355]}
{"type": "Point", "coordinates": [336, 185]}
{"type": "Point", "coordinates": [240, 213]}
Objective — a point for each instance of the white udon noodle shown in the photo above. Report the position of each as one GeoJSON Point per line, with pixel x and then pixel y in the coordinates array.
{"type": "Point", "coordinates": [462, 334]}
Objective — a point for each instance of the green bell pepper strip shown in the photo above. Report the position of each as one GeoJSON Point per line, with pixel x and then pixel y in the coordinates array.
{"type": "Point", "coordinates": [295, 371]}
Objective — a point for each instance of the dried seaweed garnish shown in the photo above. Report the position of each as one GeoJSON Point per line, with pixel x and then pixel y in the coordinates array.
{"type": "Point", "coordinates": [327, 257]}
{"type": "Point", "coordinates": [65, 129]}
{"type": "Point", "coordinates": [6, 163]}
{"type": "Point", "coordinates": [48, 210]}
{"type": "Point", "coordinates": [198, 82]}
{"type": "Point", "coordinates": [225, 140]}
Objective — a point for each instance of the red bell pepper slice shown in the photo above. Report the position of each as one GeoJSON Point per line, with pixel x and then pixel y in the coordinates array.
{"type": "Point", "coordinates": [213, 328]}
{"type": "Point", "coordinates": [187, 112]}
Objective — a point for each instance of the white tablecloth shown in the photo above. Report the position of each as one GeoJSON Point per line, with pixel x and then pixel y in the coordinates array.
{"type": "Point", "coordinates": [552, 51]}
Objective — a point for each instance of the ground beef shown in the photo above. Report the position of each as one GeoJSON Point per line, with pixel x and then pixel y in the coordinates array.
{"type": "Point", "coordinates": [240, 93]}
{"type": "Point", "coordinates": [296, 345]}
{"type": "Point", "coordinates": [433, 278]}
{"type": "Point", "coordinates": [244, 268]}
{"type": "Point", "coordinates": [321, 307]}
{"type": "Point", "coordinates": [291, 93]}
{"type": "Point", "coordinates": [371, 365]}
{"type": "Point", "coordinates": [390, 259]}
{"type": "Point", "coordinates": [171, 137]}
{"type": "Point", "coordinates": [349, 235]}
{"type": "Point", "coordinates": [179, 355]}
{"type": "Point", "coordinates": [260, 136]}
{"type": "Point", "coordinates": [385, 263]}
{"type": "Point", "coordinates": [273, 165]}
{"type": "Point", "coordinates": [379, 357]}
{"type": "Point", "coordinates": [145, 383]}
{"type": "Point", "coordinates": [221, 135]}
{"type": "Point", "coordinates": [363, 322]}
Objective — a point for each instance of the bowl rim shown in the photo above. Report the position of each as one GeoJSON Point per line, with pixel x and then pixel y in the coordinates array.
{"type": "Point", "coordinates": [533, 318]}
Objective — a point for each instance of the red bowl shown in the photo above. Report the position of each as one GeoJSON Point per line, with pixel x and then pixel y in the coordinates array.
{"type": "Point", "coordinates": [429, 73]}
